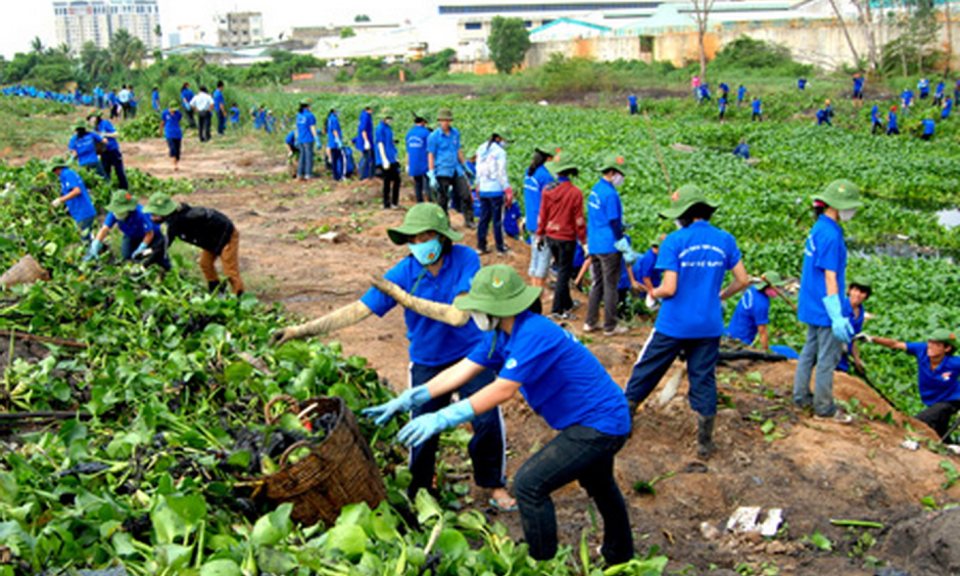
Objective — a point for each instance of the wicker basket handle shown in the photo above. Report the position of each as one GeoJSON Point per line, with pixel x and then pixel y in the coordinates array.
{"type": "Point", "coordinates": [290, 449]}
{"type": "Point", "coordinates": [267, 410]}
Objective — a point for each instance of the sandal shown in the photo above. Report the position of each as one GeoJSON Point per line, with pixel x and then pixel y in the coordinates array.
{"type": "Point", "coordinates": [501, 508]}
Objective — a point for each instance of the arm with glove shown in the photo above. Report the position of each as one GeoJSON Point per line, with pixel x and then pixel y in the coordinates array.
{"type": "Point", "coordinates": [340, 318]}
{"type": "Point", "coordinates": [842, 329]}
{"type": "Point", "coordinates": [446, 313]}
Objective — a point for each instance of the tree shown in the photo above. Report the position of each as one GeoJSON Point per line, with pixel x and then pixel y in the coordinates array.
{"type": "Point", "coordinates": [865, 12]}
{"type": "Point", "coordinates": [97, 62]}
{"type": "Point", "coordinates": [361, 18]}
{"type": "Point", "coordinates": [347, 33]}
{"type": "Point", "coordinates": [508, 43]}
{"type": "Point", "coordinates": [36, 45]}
{"type": "Point", "coordinates": [846, 33]}
{"type": "Point", "coordinates": [701, 13]}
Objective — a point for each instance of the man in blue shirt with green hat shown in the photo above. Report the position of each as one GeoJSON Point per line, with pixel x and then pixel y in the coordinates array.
{"type": "Point", "coordinates": [937, 371]}
{"type": "Point", "coordinates": [694, 260]}
{"type": "Point", "coordinates": [820, 306]}
{"type": "Point", "coordinates": [447, 171]}
{"type": "Point", "coordinates": [142, 238]}
{"type": "Point", "coordinates": [752, 314]}
{"type": "Point", "coordinates": [110, 158]}
{"type": "Point", "coordinates": [73, 193]}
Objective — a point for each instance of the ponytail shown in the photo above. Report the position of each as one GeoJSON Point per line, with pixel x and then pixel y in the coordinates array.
{"type": "Point", "coordinates": [539, 159]}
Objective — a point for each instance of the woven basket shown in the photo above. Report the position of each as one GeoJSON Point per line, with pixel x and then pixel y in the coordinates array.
{"type": "Point", "coordinates": [339, 471]}
{"type": "Point", "coordinates": [26, 271]}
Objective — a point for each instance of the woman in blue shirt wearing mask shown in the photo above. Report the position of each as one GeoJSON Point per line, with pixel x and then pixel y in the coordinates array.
{"type": "Point", "coordinates": [426, 283]}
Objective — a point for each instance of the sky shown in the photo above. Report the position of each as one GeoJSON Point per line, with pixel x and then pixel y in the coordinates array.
{"type": "Point", "coordinates": [24, 19]}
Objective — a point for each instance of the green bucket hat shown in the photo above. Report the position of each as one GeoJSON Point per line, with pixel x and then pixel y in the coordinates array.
{"type": "Point", "coordinates": [685, 197]}
{"type": "Point", "coordinates": [840, 194]}
{"type": "Point", "coordinates": [940, 334]}
{"type": "Point", "coordinates": [305, 102]}
{"type": "Point", "coordinates": [386, 113]}
{"type": "Point", "coordinates": [80, 124]}
{"type": "Point", "coordinates": [499, 291]}
{"type": "Point", "coordinates": [548, 149]}
{"type": "Point", "coordinates": [95, 114]}
{"type": "Point", "coordinates": [173, 104]}
{"type": "Point", "coordinates": [862, 281]}
{"type": "Point", "coordinates": [503, 132]}
{"type": "Point", "coordinates": [160, 204]}
{"type": "Point", "coordinates": [423, 217]}
{"type": "Point", "coordinates": [122, 201]}
{"type": "Point", "coordinates": [565, 164]}
{"type": "Point", "coordinates": [658, 239]}
{"type": "Point", "coordinates": [444, 114]}
{"type": "Point", "coordinates": [773, 278]}
{"type": "Point", "coordinates": [58, 162]}
{"type": "Point", "coordinates": [613, 162]}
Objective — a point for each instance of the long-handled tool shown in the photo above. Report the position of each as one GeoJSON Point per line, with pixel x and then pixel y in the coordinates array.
{"type": "Point", "coordinates": [656, 148]}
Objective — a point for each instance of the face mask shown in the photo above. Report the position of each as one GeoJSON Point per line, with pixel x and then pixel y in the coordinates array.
{"type": "Point", "coordinates": [427, 252]}
{"type": "Point", "coordinates": [847, 215]}
{"type": "Point", "coordinates": [618, 180]}
{"type": "Point", "coordinates": [484, 321]}
{"type": "Point", "coordinates": [121, 215]}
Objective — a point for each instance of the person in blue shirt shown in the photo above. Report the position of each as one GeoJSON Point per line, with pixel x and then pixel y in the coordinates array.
{"type": "Point", "coordinates": [822, 117]}
{"type": "Point", "coordinates": [742, 150]}
{"type": "Point", "coordinates": [858, 88]}
{"type": "Point", "coordinates": [723, 107]}
{"type": "Point", "coordinates": [417, 164]}
{"type": "Point", "coordinates": [111, 158]}
{"type": "Point", "coordinates": [802, 84]}
{"type": "Point", "coordinates": [98, 96]}
{"type": "Point", "coordinates": [634, 107]}
{"type": "Point", "coordinates": [561, 381]}
{"type": "Point", "coordinates": [947, 108]}
{"type": "Point", "coordinates": [757, 108]}
{"type": "Point", "coordinates": [426, 283]}
{"type": "Point", "coordinates": [73, 193]}
{"type": "Point", "coordinates": [113, 104]}
{"type": "Point", "coordinates": [693, 260]}
{"type": "Point", "coordinates": [536, 178]}
{"type": "Point", "coordinates": [892, 128]}
{"type": "Point", "coordinates": [752, 314]}
{"type": "Point", "coordinates": [860, 289]}
{"type": "Point", "coordinates": [923, 86]}
{"type": "Point", "coordinates": [293, 152]}
{"type": "Point", "coordinates": [186, 95]}
{"type": "Point", "coordinates": [306, 140]}
{"type": "Point", "coordinates": [235, 117]}
{"type": "Point", "coordinates": [83, 146]}
{"type": "Point", "coordinates": [741, 94]}
{"type": "Point", "coordinates": [704, 93]}
{"type": "Point", "coordinates": [906, 100]}
{"type": "Point", "coordinates": [155, 99]}
{"type": "Point", "coordinates": [938, 95]}
{"type": "Point", "coordinates": [386, 157]}
{"type": "Point", "coordinates": [927, 127]}
{"type": "Point", "coordinates": [828, 109]}
{"type": "Point", "coordinates": [646, 276]}
{"type": "Point", "coordinates": [875, 120]}
{"type": "Point", "coordinates": [820, 306]}
{"type": "Point", "coordinates": [220, 108]}
{"type": "Point", "coordinates": [335, 145]}
{"type": "Point", "coordinates": [171, 131]}
{"type": "Point", "coordinates": [607, 246]}
{"type": "Point", "coordinates": [365, 143]}
{"type": "Point", "coordinates": [142, 238]}
{"type": "Point", "coordinates": [938, 369]}
{"type": "Point", "coordinates": [447, 174]}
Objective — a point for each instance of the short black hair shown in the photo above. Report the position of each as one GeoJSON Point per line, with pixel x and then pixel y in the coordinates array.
{"type": "Point", "coordinates": [699, 211]}
{"type": "Point", "coordinates": [865, 289]}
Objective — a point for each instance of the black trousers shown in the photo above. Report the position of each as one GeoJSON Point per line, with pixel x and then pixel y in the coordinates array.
{"type": "Point", "coordinates": [391, 185]}
{"type": "Point", "coordinates": [221, 122]}
{"type": "Point", "coordinates": [563, 252]}
{"type": "Point", "coordinates": [203, 120]}
{"type": "Point", "coordinates": [938, 416]}
{"type": "Point", "coordinates": [113, 160]}
{"type": "Point", "coordinates": [191, 119]}
{"type": "Point", "coordinates": [455, 188]}
{"type": "Point", "coordinates": [421, 187]}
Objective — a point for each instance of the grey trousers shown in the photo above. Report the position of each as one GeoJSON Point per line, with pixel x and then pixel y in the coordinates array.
{"type": "Point", "coordinates": [605, 270]}
{"type": "Point", "coordinates": [822, 350]}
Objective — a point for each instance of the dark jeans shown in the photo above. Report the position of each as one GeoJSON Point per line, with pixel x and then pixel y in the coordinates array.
{"type": "Point", "coordinates": [336, 163]}
{"type": "Point", "coordinates": [563, 252]}
{"type": "Point", "coordinates": [188, 114]}
{"type": "Point", "coordinates": [367, 164]}
{"type": "Point", "coordinates": [585, 455]}
{"type": "Point", "coordinates": [391, 186]}
{"type": "Point", "coordinates": [757, 117]}
{"type": "Point", "coordinates": [605, 270]}
{"type": "Point", "coordinates": [221, 123]}
{"type": "Point", "coordinates": [491, 210]}
{"type": "Point", "coordinates": [458, 190]}
{"type": "Point", "coordinates": [891, 131]}
{"type": "Point", "coordinates": [175, 146]}
{"type": "Point", "coordinates": [658, 354]}
{"type": "Point", "coordinates": [158, 246]}
{"type": "Point", "coordinates": [113, 159]}
{"type": "Point", "coordinates": [634, 109]}
{"type": "Point", "coordinates": [421, 187]}
{"type": "Point", "coordinates": [876, 126]}
{"type": "Point", "coordinates": [938, 416]}
{"type": "Point", "coordinates": [305, 161]}
{"type": "Point", "coordinates": [204, 119]}
{"type": "Point", "coordinates": [488, 448]}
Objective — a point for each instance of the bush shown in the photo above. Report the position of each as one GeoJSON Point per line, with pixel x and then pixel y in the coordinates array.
{"type": "Point", "coordinates": [748, 54]}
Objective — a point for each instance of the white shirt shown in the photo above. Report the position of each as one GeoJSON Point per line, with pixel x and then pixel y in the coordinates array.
{"type": "Point", "coordinates": [124, 96]}
{"type": "Point", "coordinates": [202, 102]}
{"type": "Point", "coordinates": [491, 168]}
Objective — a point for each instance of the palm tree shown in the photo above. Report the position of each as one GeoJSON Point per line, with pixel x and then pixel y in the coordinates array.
{"type": "Point", "coordinates": [36, 45]}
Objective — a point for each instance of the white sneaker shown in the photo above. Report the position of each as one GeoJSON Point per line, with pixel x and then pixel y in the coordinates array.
{"type": "Point", "coordinates": [839, 417]}
{"type": "Point", "coordinates": [589, 328]}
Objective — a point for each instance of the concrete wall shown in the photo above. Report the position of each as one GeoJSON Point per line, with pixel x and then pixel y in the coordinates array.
{"type": "Point", "coordinates": [604, 49]}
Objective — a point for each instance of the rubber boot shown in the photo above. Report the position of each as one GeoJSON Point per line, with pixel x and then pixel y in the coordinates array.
{"type": "Point", "coordinates": [705, 445]}
{"type": "Point", "coordinates": [213, 285]}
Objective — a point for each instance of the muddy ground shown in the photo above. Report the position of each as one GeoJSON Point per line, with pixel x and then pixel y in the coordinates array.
{"type": "Point", "coordinates": [815, 471]}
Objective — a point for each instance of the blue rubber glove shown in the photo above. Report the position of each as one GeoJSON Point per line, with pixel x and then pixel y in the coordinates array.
{"type": "Point", "coordinates": [410, 398]}
{"type": "Point", "coordinates": [432, 177]}
{"type": "Point", "coordinates": [842, 330]}
{"type": "Point", "coordinates": [139, 249]}
{"type": "Point", "coordinates": [623, 246]}
{"type": "Point", "coordinates": [94, 250]}
{"type": "Point", "coordinates": [467, 170]}
{"type": "Point", "coordinates": [421, 429]}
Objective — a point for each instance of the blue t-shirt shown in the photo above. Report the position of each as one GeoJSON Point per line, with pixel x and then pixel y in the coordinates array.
{"type": "Point", "coordinates": [186, 95]}
{"type": "Point", "coordinates": [824, 249]}
{"type": "Point", "coordinates": [560, 379]}
{"type": "Point", "coordinates": [365, 126]}
{"type": "Point", "coordinates": [646, 267]}
{"type": "Point", "coordinates": [305, 120]}
{"type": "Point", "coordinates": [432, 343]}
{"type": "Point", "coordinates": [291, 139]}
{"type": "Point", "coordinates": [218, 101]}
{"type": "Point", "coordinates": [234, 114]}
{"type": "Point", "coordinates": [333, 125]}
{"type": "Point", "coordinates": [756, 106]}
{"type": "Point", "coordinates": [532, 194]}
{"type": "Point", "coordinates": [752, 311]}
{"type": "Point", "coordinates": [633, 100]}
{"type": "Point", "coordinates": [858, 84]}
{"type": "Point", "coordinates": [802, 83]}
{"type": "Point", "coordinates": [700, 254]}
{"type": "Point", "coordinates": [155, 98]}
{"type": "Point", "coordinates": [938, 385]}
{"type": "Point", "coordinates": [136, 225]}
{"type": "Point", "coordinates": [603, 205]}
{"type": "Point", "coordinates": [384, 135]}
{"type": "Point", "coordinates": [417, 150]}
{"type": "Point", "coordinates": [80, 207]}
{"type": "Point", "coordinates": [723, 103]}
{"type": "Point", "coordinates": [741, 92]}
{"type": "Point", "coordinates": [928, 127]}
{"type": "Point", "coordinates": [857, 322]}
{"type": "Point", "coordinates": [875, 115]}
{"type": "Point", "coordinates": [892, 120]}
{"type": "Point", "coordinates": [940, 88]}
{"type": "Point", "coordinates": [85, 147]}
{"type": "Point", "coordinates": [743, 151]}
{"type": "Point", "coordinates": [907, 97]}
{"type": "Point", "coordinates": [171, 124]}
{"type": "Point", "coordinates": [948, 106]}
{"type": "Point", "coordinates": [445, 149]}
{"type": "Point", "coordinates": [105, 127]}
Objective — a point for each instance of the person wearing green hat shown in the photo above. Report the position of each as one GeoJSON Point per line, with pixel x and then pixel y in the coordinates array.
{"type": "Point", "coordinates": [426, 283]}
{"type": "Point", "coordinates": [83, 146]}
{"type": "Point", "coordinates": [694, 260]}
{"type": "Point", "coordinates": [536, 178]}
{"type": "Point", "coordinates": [110, 157]}
{"type": "Point", "coordinates": [447, 173]}
{"type": "Point", "coordinates": [752, 314]}
{"type": "Point", "coordinates": [171, 131]}
{"type": "Point", "coordinates": [926, 128]}
{"type": "Point", "coordinates": [493, 188]}
{"type": "Point", "coordinates": [562, 382]}
{"type": "Point", "coordinates": [645, 276]}
{"type": "Point", "coordinates": [606, 245]}
{"type": "Point", "coordinates": [335, 152]}
{"type": "Point", "coordinates": [820, 306]}
{"type": "Point", "coordinates": [938, 369]}
{"type": "Point", "coordinates": [561, 225]}
{"type": "Point", "coordinates": [142, 237]}
{"type": "Point", "coordinates": [73, 193]}
{"type": "Point", "coordinates": [207, 229]}
{"type": "Point", "coordinates": [365, 143]}
{"type": "Point", "coordinates": [306, 137]}
{"type": "Point", "coordinates": [386, 157]}
{"type": "Point", "coordinates": [860, 289]}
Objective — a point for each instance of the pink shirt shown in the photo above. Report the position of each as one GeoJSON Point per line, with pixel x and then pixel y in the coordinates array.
{"type": "Point", "coordinates": [695, 82]}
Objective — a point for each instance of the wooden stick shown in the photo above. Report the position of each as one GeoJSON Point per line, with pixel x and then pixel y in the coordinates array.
{"type": "Point", "coordinates": [656, 147]}
{"type": "Point", "coordinates": [6, 416]}
{"type": "Point", "coordinates": [784, 296]}
{"type": "Point", "coordinates": [57, 341]}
